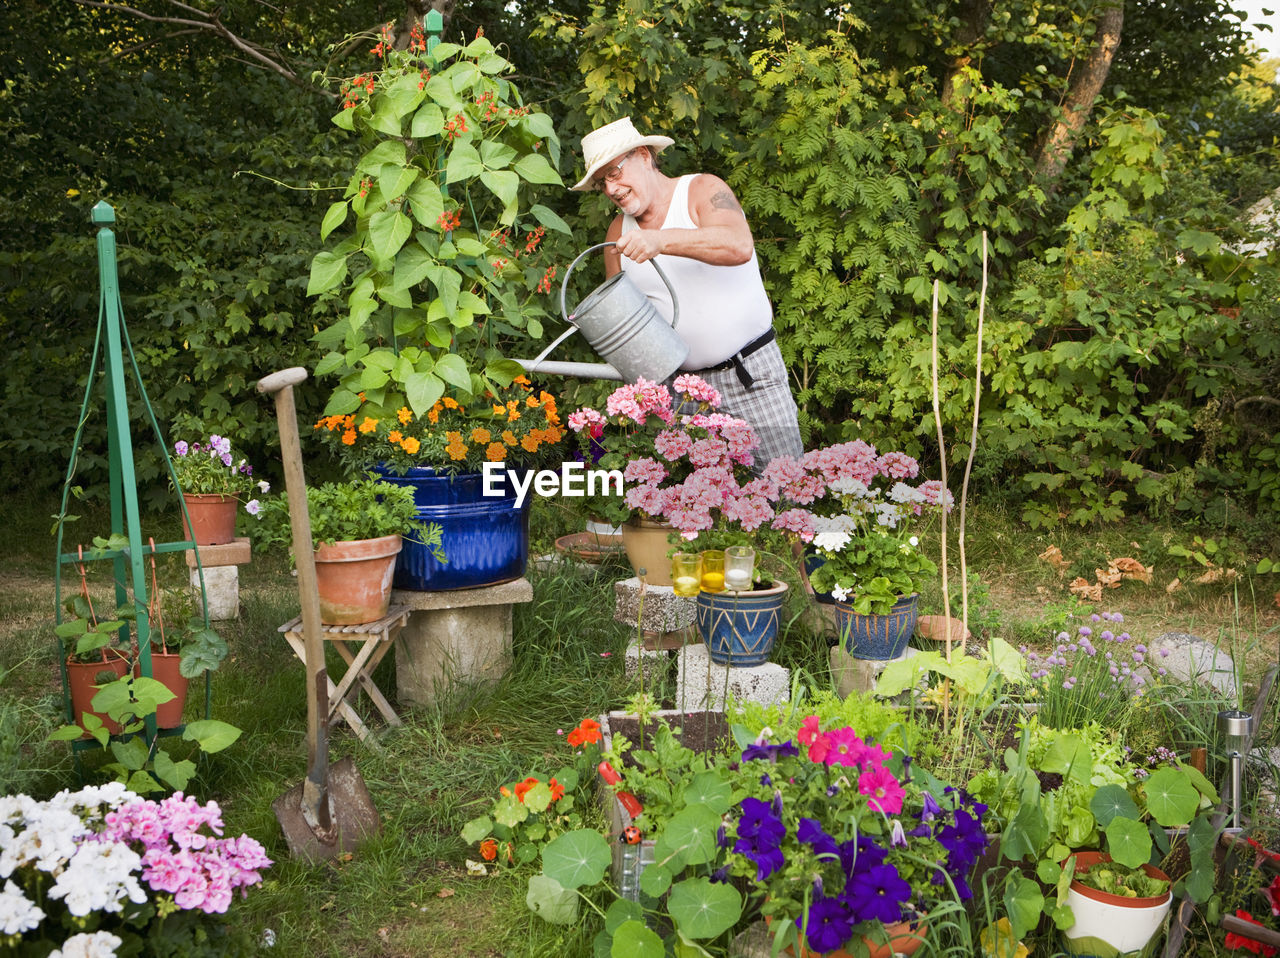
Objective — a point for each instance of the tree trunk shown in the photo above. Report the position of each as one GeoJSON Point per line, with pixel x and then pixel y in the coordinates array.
{"type": "Point", "coordinates": [1062, 136]}
{"type": "Point", "coordinates": [974, 16]}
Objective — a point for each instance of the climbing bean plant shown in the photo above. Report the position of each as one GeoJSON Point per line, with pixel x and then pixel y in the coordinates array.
{"type": "Point", "coordinates": [437, 256]}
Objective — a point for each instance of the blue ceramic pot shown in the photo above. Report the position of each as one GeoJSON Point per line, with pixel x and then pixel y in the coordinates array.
{"type": "Point", "coordinates": [877, 636]}
{"type": "Point", "coordinates": [739, 628]}
{"type": "Point", "coordinates": [812, 562]}
{"type": "Point", "coordinates": [485, 538]}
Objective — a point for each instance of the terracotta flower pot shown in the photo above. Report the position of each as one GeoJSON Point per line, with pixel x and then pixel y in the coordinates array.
{"type": "Point", "coordinates": [354, 579]}
{"type": "Point", "coordinates": [164, 669]}
{"type": "Point", "coordinates": [213, 519]}
{"type": "Point", "coordinates": [645, 541]}
{"type": "Point", "coordinates": [940, 627]}
{"type": "Point", "coordinates": [83, 678]}
{"type": "Point", "coordinates": [904, 938]}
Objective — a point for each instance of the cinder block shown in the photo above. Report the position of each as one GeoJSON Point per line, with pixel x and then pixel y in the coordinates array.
{"type": "Point", "coordinates": [458, 636]}
{"type": "Point", "coordinates": [655, 662]}
{"type": "Point", "coordinates": [236, 552]}
{"type": "Point", "coordinates": [701, 683]}
{"type": "Point", "coordinates": [656, 608]}
{"type": "Point", "coordinates": [221, 591]}
{"type": "Point", "coordinates": [859, 675]}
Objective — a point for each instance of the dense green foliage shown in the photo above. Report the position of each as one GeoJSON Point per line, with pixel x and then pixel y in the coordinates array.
{"type": "Point", "coordinates": [1129, 356]}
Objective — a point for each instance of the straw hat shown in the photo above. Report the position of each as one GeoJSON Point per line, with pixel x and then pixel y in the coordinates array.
{"type": "Point", "coordinates": [602, 145]}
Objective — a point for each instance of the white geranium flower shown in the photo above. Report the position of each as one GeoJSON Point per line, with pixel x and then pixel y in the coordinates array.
{"type": "Point", "coordinates": [850, 487]}
{"type": "Point", "coordinates": [887, 514]}
{"type": "Point", "coordinates": [835, 541]}
{"type": "Point", "coordinates": [100, 944]}
{"type": "Point", "coordinates": [99, 877]}
{"type": "Point", "coordinates": [840, 594]}
{"type": "Point", "coordinates": [903, 493]}
{"type": "Point", "coordinates": [17, 912]}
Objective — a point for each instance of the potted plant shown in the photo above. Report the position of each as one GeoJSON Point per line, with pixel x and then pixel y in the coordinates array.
{"type": "Point", "coordinates": [356, 530]}
{"type": "Point", "coordinates": [101, 871]}
{"type": "Point", "coordinates": [842, 841]}
{"type": "Point", "coordinates": [436, 253]}
{"type": "Point", "coordinates": [92, 657]}
{"type": "Point", "coordinates": [456, 459]}
{"type": "Point", "coordinates": [1117, 908]}
{"type": "Point", "coordinates": [213, 483]}
{"type": "Point", "coordinates": [861, 517]}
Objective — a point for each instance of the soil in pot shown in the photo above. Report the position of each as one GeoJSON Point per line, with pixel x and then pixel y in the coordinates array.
{"type": "Point", "coordinates": [701, 732]}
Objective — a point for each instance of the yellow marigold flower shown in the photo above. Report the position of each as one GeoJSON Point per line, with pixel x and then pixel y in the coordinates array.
{"type": "Point", "coordinates": [410, 445]}
{"type": "Point", "coordinates": [496, 452]}
{"type": "Point", "coordinates": [369, 425]}
{"type": "Point", "coordinates": [456, 450]}
{"type": "Point", "coordinates": [404, 414]}
{"type": "Point", "coordinates": [509, 437]}
{"type": "Point", "coordinates": [480, 434]}
{"type": "Point", "coordinates": [433, 416]}
{"type": "Point", "coordinates": [394, 437]}
{"type": "Point", "coordinates": [349, 437]}
{"type": "Point", "coordinates": [529, 443]}
{"type": "Point", "coordinates": [450, 403]}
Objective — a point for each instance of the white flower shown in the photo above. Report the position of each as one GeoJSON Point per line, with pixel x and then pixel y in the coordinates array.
{"type": "Point", "coordinates": [839, 594]}
{"type": "Point", "coordinates": [850, 487]}
{"type": "Point", "coordinates": [914, 540]}
{"type": "Point", "coordinates": [253, 507]}
{"type": "Point", "coordinates": [901, 492]}
{"type": "Point", "coordinates": [98, 878]}
{"type": "Point", "coordinates": [835, 541]}
{"type": "Point", "coordinates": [101, 944]}
{"type": "Point", "coordinates": [887, 514]}
{"type": "Point", "coordinates": [264, 487]}
{"type": "Point", "coordinates": [17, 912]}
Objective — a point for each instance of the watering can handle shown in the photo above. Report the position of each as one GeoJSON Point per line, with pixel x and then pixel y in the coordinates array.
{"type": "Point", "coordinates": [564, 286]}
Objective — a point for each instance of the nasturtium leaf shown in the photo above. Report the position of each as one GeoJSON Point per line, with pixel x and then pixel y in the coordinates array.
{"type": "Point", "coordinates": [709, 790]}
{"type": "Point", "coordinates": [1202, 785]}
{"type": "Point", "coordinates": [1201, 839]}
{"type": "Point", "coordinates": [1171, 798]}
{"type": "Point", "coordinates": [537, 798]}
{"type": "Point", "coordinates": [655, 880]}
{"type": "Point", "coordinates": [550, 901]}
{"type": "Point", "coordinates": [509, 811]}
{"type": "Point", "coordinates": [577, 858]}
{"type": "Point", "coordinates": [1025, 832]}
{"type": "Point", "coordinates": [622, 909]}
{"type": "Point", "coordinates": [689, 837]}
{"type": "Point", "coordinates": [1022, 902]}
{"type": "Point", "coordinates": [477, 829]}
{"type": "Point", "coordinates": [703, 908]}
{"type": "Point", "coordinates": [1129, 842]}
{"type": "Point", "coordinates": [1111, 801]}
{"type": "Point", "coordinates": [634, 940]}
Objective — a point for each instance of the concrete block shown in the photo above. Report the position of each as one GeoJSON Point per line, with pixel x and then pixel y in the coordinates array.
{"type": "Point", "coordinates": [1193, 659]}
{"type": "Point", "coordinates": [655, 662]}
{"type": "Point", "coordinates": [656, 608]}
{"type": "Point", "coordinates": [458, 636]}
{"type": "Point", "coordinates": [859, 675]}
{"type": "Point", "coordinates": [701, 683]}
{"type": "Point", "coordinates": [221, 591]}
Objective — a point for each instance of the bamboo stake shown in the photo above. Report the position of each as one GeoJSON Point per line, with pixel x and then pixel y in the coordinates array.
{"type": "Point", "coordinates": [968, 466]}
{"type": "Point", "coordinates": [942, 460]}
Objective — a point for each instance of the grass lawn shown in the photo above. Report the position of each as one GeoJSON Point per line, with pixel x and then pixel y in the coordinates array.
{"type": "Point", "coordinates": [408, 892]}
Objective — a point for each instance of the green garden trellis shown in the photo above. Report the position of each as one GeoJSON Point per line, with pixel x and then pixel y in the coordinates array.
{"type": "Point", "coordinates": [128, 560]}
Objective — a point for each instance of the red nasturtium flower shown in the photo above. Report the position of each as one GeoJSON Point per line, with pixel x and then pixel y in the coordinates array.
{"type": "Point", "coordinates": [586, 733]}
{"type": "Point", "coordinates": [1235, 941]}
{"type": "Point", "coordinates": [488, 849]}
{"type": "Point", "coordinates": [522, 788]}
{"type": "Point", "coordinates": [557, 790]}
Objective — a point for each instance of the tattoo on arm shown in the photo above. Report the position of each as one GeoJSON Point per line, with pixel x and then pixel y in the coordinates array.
{"type": "Point", "coordinates": [725, 200]}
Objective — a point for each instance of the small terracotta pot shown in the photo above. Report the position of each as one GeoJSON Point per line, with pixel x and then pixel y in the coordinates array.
{"type": "Point", "coordinates": [82, 678]}
{"type": "Point", "coordinates": [164, 669]}
{"type": "Point", "coordinates": [213, 519]}
{"type": "Point", "coordinates": [904, 938]}
{"type": "Point", "coordinates": [354, 579]}
{"type": "Point", "coordinates": [936, 627]}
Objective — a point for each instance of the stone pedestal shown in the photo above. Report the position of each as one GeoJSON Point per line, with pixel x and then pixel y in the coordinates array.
{"type": "Point", "coordinates": [221, 577]}
{"type": "Point", "coordinates": [460, 636]}
{"type": "Point", "coordinates": [859, 675]}
{"type": "Point", "coordinates": [700, 683]}
{"type": "Point", "coordinates": [659, 614]}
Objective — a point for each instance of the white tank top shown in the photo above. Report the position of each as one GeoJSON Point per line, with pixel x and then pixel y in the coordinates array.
{"type": "Point", "coordinates": [722, 308]}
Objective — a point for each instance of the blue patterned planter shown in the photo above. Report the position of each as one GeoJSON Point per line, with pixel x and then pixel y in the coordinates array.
{"type": "Point", "coordinates": [877, 636]}
{"type": "Point", "coordinates": [485, 538]}
{"type": "Point", "coordinates": [739, 628]}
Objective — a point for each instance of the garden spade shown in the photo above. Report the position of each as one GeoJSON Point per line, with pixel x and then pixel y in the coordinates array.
{"type": "Point", "coordinates": [330, 811]}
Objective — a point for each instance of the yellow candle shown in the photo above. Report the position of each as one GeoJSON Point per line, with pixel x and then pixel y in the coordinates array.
{"type": "Point", "coordinates": [713, 581]}
{"type": "Point", "coordinates": [686, 585]}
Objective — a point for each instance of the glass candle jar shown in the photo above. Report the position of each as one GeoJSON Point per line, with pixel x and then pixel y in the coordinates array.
{"type": "Point", "coordinates": [739, 562]}
{"type": "Point", "coordinates": [713, 571]}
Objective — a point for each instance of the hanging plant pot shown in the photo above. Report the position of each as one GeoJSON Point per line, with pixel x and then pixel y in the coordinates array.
{"type": "Point", "coordinates": [877, 636]}
{"type": "Point", "coordinates": [354, 579]}
{"type": "Point", "coordinates": [164, 669]}
{"type": "Point", "coordinates": [485, 538]}
{"type": "Point", "coordinates": [213, 519]}
{"type": "Point", "coordinates": [1108, 924]}
{"type": "Point", "coordinates": [645, 541]}
{"type": "Point", "coordinates": [740, 628]}
{"type": "Point", "coordinates": [84, 680]}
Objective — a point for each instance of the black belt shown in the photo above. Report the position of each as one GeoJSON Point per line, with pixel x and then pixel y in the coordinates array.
{"type": "Point", "coordinates": [735, 361]}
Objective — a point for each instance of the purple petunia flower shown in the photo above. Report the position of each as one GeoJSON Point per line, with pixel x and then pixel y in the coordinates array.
{"type": "Point", "coordinates": [830, 924]}
{"type": "Point", "coordinates": [770, 753]}
{"type": "Point", "coordinates": [811, 832]}
{"type": "Point", "coordinates": [877, 894]}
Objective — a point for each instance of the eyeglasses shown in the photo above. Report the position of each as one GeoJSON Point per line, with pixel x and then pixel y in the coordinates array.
{"type": "Point", "coordinates": [612, 173]}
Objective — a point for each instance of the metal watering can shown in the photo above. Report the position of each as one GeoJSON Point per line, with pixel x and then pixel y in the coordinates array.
{"type": "Point", "coordinates": [621, 325]}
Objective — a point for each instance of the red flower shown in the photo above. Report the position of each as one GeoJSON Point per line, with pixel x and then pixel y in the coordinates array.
{"type": "Point", "coordinates": [588, 732]}
{"type": "Point", "coordinates": [1248, 944]}
{"type": "Point", "coordinates": [488, 849]}
{"type": "Point", "coordinates": [522, 788]}
{"type": "Point", "coordinates": [557, 790]}
{"type": "Point", "coordinates": [1273, 893]}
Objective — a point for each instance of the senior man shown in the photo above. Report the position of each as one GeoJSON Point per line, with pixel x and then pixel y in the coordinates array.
{"type": "Point", "coordinates": [697, 227]}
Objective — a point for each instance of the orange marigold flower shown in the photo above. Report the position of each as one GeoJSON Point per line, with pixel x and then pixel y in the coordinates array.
{"type": "Point", "coordinates": [557, 790]}
{"type": "Point", "coordinates": [522, 788]}
{"type": "Point", "coordinates": [349, 437]}
{"type": "Point", "coordinates": [394, 437]}
{"type": "Point", "coordinates": [457, 451]}
{"type": "Point", "coordinates": [499, 410]}
{"type": "Point", "coordinates": [369, 425]}
{"type": "Point", "coordinates": [404, 414]}
{"type": "Point", "coordinates": [480, 434]}
{"type": "Point", "coordinates": [529, 443]}
{"type": "Point", "coordinates": [450, 403]}
{"type": "Point", "coordinates": [496, 452]}
{"type": "Point", "coordinates": [410, 445]}
{"type": "Point", "coordinates": [509, 437]}
{"type": "Point", "coordinates": [553, 434]}
{"type": "Point", "coordinates": [531, 402]}
{"type": "Point", "coordinates": [522, 380]}
{"type": "Point", "coordinates": [488, 849]}
{"type": "Point", "coordinates": [433, 416]}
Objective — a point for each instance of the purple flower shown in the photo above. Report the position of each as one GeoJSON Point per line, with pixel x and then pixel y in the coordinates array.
{"type": "Point", "coordinates": [226, 459]}
{"type": "Point", "coordinates": [877, 894]}
{"type": "Point", "coordinates": [1139, 648]}
{"type": "Point", "coordinates": [1164, 653]}
{"type": "Point", "coordinates": [180, 448]}
{"type": "Point", "coordinates": [1085, 630]}
{"type": "Point", "coordinates": [811, 832]}
{"type": "Point", "coordinates": [860, 854]}
{"type": "Point", "coordinates": [253, 507]}
{"type": "Point", "coordinates": [771, 753]}
{"type": "Point", "coordinates": [760, 834]}
{"type": "Point", "coordinates": [1095, 618]}
{"type": "Point", "coordinates": [1106, 635]}
{"type": "Point", "coordinates": [830, 924]}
